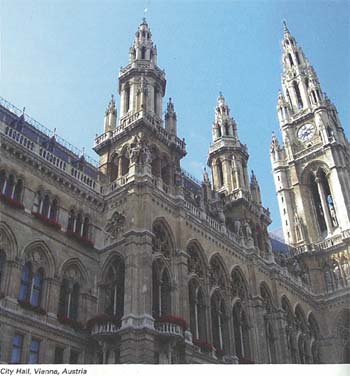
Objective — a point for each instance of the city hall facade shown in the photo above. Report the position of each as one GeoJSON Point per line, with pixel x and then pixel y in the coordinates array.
{"type": "Point", "coordinates": [133, 260]}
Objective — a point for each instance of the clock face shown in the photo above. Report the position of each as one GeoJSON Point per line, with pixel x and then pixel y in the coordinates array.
{"type": "Point", "coordinates": [306, 132]}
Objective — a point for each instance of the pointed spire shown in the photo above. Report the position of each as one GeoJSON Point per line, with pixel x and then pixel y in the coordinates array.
{"type": "Point", "coordinates": [170, 118]}
{"type": "Point", "coordinates": [206, 176]}
{"type": "Point", "coordinates": [110, 122]}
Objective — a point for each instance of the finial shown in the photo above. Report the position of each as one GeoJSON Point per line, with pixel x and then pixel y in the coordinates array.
{"type": "Point", "coordinates": [23, 111]}
{"type": "Point", "coordinates": [54, 132]}
{"type": "Point", "coordinates": [285, 26]}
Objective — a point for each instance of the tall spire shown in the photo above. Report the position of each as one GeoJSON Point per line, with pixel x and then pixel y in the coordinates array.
{"type": "Point", "coordinates": [300, 84]}
{"type": "Point", "coordinates": [143, 48]}
{"type": "Point", "coordinates": [224, 125]}
{"type": "Point", "coordinates": [110, 116]}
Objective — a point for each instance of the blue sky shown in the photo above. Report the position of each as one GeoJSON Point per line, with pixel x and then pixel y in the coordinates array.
{"type": "Point", "coordinates": [60, 59]}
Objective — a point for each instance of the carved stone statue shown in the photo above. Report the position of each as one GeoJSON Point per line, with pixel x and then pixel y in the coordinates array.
{"type": "Point", "coordinates": [115, 225]}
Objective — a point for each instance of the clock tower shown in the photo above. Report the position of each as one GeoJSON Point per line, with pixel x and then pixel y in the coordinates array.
{"type": "Point", "coordinates": [311, 167]}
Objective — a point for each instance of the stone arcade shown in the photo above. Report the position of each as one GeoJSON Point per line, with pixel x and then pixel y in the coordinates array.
{"type": "Point", "coordinates": [134, 261]}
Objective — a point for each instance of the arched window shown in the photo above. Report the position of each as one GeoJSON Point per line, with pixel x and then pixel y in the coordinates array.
{"type": "Point", "coordinates": [2, 268]}
{"type": "Point", "coordinates": [71, 221]}
{"type": "Point", "coordinates": [2, 180]}
{"type": "Point", "coordinates": [241, 334]}
{"type": "Point", "coordinates": [26, 280]}
{"type": "Point", "coordinates": [86, 226]}
{"type": "Point", "coordinates": [290, 329]}
{"type": "Point", "coordinates": [124, 165]}
{"type": "Point", "coordinates": [161, 242]}
{"type": "Point", "coordinates": [317, 204]}
{"type": "Point", "coordinates": [220, 173]}
{"type": "Point", "coordinates": [156, 163]}
{"type": "Point", "coordinates": [161, 291]}
{"type": "Point", "coordinates": [313, 96]}
{"type": "Point", "coordinates": [314, 333]}
{"type": "Point", "coordinates": [291, 63]}
{"type": "Point", "coordinates": [37, 285]}
{"type": "Point", "coordinates": [45, 206]}
{"type": "Point", "coordinates": [270, 341]}
{"type": "Point", "coordinates": [218, 128]}
{"type": "Point", "coordinates": [297, 94]}
{"type": "Point", "coordinates": [143, 52]}
{"type": "Point", "coordinates": [114, 167]}
{"type": "Point", "coordinates": [302, 328]}
{"type": "Point", "coordinates": [198, 322]}
{"type": "Point", "coordinates": [78, 223]}
{"type": "Point", "coordinates": [10, 183]}
{"type": "Point", "coordinates": [114, 288]}
{"type": "Point", "coordinates": [69, 299]}
{"type": "Point", "coordinates": [54, 209]}
{"type": "Point", "coordinates": [127, 98]}
{"type": "Point", "coordinates": [219, 324]}
{"type": "Point", "coordinates": [165, 171]}
{"type": "Point", "coordinates": [165, 294]}
{"type": "Point", "coordinates": [297, 56]}
{"type": "Point", "coordinates": [18, 190]}
{"type": "Point", "coordinates": [227, 129]}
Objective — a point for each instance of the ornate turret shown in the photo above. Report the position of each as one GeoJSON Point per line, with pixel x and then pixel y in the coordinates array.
{"type": "Point", "coordinates": [110, 121]}
{"type": "Point", "coordinates": [170, 118]}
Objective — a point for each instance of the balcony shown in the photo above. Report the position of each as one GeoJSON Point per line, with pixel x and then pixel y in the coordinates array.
{"type": "Point", "coordinates": [170, 326]}
{"type": "Point", "coordinates": [103, 326]}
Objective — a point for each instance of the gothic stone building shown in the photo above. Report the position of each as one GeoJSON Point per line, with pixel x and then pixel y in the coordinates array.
{"type": "Point", "coordinates": [134, 261]}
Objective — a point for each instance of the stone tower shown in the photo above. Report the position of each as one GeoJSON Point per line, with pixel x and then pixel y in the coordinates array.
{"type": "Point", "coordinates": [311, 168]}
{"type": "Point", "coordinates": [239, 196]}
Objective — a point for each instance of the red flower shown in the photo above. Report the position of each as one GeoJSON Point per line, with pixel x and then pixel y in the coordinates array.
{"type": "Point", "coordinates": [48, 221]}
{"type": "Point", "coordinates": [204, 346]}
{"type": "Point", "coordinates": [173, 320]}
{"type": "Point", "coordinates": [11, 202]}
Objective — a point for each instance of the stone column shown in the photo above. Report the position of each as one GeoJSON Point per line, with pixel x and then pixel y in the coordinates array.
{"type": "Point", "coordinates": [181, 298]}
{"type": "Point", "coordinates": [259, 336]}
{"type": "Point", "coordinates": [279, 323]}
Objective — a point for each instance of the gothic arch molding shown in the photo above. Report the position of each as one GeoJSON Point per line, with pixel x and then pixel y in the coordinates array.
{"type": "Point", "coordinates": [41, 247]}
{"type": "Point", "coordinates": [108, 262]}
{"type": "Point", "coordinates": [8, 242]}
{"type": "Point", "coordinates": [75, 263]}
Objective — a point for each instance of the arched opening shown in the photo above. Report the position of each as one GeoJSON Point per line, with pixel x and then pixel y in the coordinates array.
{"type": "Point", "coordinates": [45, 206]}
{"type": "Point", "coordinates": [143, 52]}
{"type": "Point", "coordinates": [218, 130]}
{"type": "Point", "coordinates": [69, 299]}
{"type": "Point", "coordinates": [78, 224]}
{"type": "Point", "coordinates": [127, 99]}
{"type": "Point", "coordinates": [86, 227]}
{"type": "Point", "coordinates": [289, 329]}
{"type": "Point", "coordinates": [161, 291]}
{"type": "Point", "coordinates": [156, 162]}
{"type": "Point", "coordinates": [219, 324]}
{"type": "Point", "coordinates": [297, 94]}
{"type": "Point", "coordinates": [227, 129]}
{"type": "Point", "coordinates": [317, 204]}
{"type": "Point", "coordinates": [197, 312]}
{"type": "Point", "coordinates": [302, 328]}
{"type": "Point", "coordinates": [2, 180]}
{"type": "Point", "coordinates": [54, 209]}
{"type": "Point", "coordinates": [313, 96]}
{"type": "Point", "coordinates": [291, 63]}
{"type": "Point", "coordinates": [18, 190]}
{"type": "Point", "coordinates": [241, 333]}
{"type": "Point", "coordinates": [114, 288]}
{"type": "Point", "coordinates": [297, 56]}
{"type": "Point", "coordinates": [2, 268]}
{"type": "Point", "coordinates": [165, 171]}
{"type": "Point", "coordinates": [314, 334]}
{"type": "Point", "coordinates": [114, 167]}
{"type": "Point", "coordinates": [220, 173]}
{"type": "Point", "coordinates": [10, 183]}
{"type": "Point", "coordinates": [26, 279]}
{"type": "Point", "coordinates": [124, 164]}
{"type": "Point", "coordinates": [71, 221]}
{"type": "Point", "coordinates": [37, 285]}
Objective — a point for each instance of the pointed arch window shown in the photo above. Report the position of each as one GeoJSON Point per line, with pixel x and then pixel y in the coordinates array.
{"type": "Point", "coordinates": [127, 98]}
{"type": "Point", "coordinates": [69, 299]}
{"type": "Point", "coordinates": [314, 99]}
{"type": "Point", "coordinates": [161, 292]}
{"type": "Point", "coordinates": [291, 63]}
{"type": "Point", "coordinates": [26, 278]}
{"type": "Point", "coordinates": [241, 333]}
{"type": "Point", "coordinates": [298, 58]}
{"type": "Point", "coordinates": [220, 174]}
{"type": "Point", "coordinates": [18, 190]}
{"type": "Point", "coordinates": [298, 94]}
{"type": "Point", "coordinates": [227, 129]}
{"type": "Point", "coordinates": [270, 341]}
{"type": "Point", "coordinates": [9, 187]}
{"type": "Point", "coordinates": [114, 289]}
{"type": "Point", "coordinates": [219, 323]}
{"type": "Point", "coordinates": [71, 221]}
{"type": "Point", "coordinates": [2, 268]}
{"type": "Point", "coordinates": [143, 52]}
{"type": "Point", "coordinates": [198, 325]}
{"type": "Point", "coordinates": [37, 284]}
{"type": "Point", "coordinates": [2, 180]}
{"type": "Point", "coordinates": [114, 167]}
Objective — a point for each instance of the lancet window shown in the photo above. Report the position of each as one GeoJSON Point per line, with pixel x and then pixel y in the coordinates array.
{"type": "Point", "coordinates": [113, 288]}
{"type": "Point", "coordinates": [161, 290]}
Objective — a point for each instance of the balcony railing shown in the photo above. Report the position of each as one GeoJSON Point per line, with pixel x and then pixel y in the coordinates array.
{"type": "Point", "coordinates": [103, 325]}
{"type": "Point", "coordinates": [169, 329]}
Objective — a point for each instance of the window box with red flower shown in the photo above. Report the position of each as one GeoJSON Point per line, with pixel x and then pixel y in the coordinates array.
{"type": "Point", "coordinates": [26, 305]}
{"type": "Point", "coordinates": [103, 324]}
{"type": "Point", "coordinates": [11, 202]}
{"type": "Point", "coordinates": [81, 239]}
{"type": "Point", "coordinates": [173, 320]}
{"type": "Point", "coordinates": [74, 324]}
{"type": "Point", "coordinates": [48, 221]}
{"type": "Point", "coordinates": [204, 346]}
